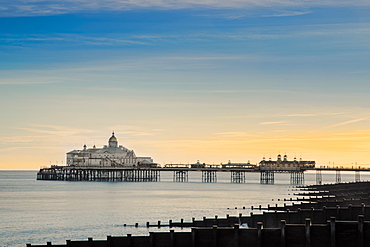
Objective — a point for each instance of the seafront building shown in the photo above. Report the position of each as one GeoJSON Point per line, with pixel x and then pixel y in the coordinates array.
{"type": "Point", "coordinates": [111, 155]}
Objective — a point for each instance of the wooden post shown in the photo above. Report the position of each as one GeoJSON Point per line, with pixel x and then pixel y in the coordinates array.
{"type": "Point", "coordinates": [283, 233]}
{"type": "Point", "coordinates": [308, 232]}
{"type": "Point", "coordinates": [91, 243]}
{"type": "Point", "coordinates": [287, 216]}
{"type": "Point", "coordinates": [363, 208]}
{"type": "Point", "coordinates": [259, 234]}
{"type": "Point", "coordinates": [151, 239]}
{"type": "Point", "coordinates": [214, 236]}
{"type": "Point", "coordinates": [193, 237]}
{"type": "Point", "coordinates": [252, 220]}
{"type": "Point", "coordinates": [360, 241]}
{"type": "Point", "coordinates": [172, 236]}
{"type": "Point", "coordinates": [338, 212]}
{"type": "Point", "coordinates": [236, 234]}
{"type": "Point", "coordinates": [109, 241]}
{"type": "Point", "coordinates": [170, 223]}
{"type": "Point", "coordinates": [129, 240]}
{"type": "Point", "coordinates": [332, 232]}
{"type": "Point", "coordinates": [350, 211]}
{"type": "Point", "coordinates": [312, 215]}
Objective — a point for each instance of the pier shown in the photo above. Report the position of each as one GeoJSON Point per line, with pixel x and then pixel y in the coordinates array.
{"type": "Point", "coordinates": [181, 173]}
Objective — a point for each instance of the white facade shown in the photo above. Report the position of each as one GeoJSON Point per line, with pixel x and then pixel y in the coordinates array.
{"type": "Point", "coordinates": [111, 155]}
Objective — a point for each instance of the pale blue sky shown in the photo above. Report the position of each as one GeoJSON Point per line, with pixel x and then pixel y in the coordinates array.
{"type": "Point", "coordinates": [165, 75]}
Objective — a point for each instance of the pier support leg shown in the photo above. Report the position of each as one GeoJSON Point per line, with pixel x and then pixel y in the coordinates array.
{"type": "Point", "coordinates": [267, 177]}
{"type": "Point", "coordinates": [357, 176]}
{"type": "Point", "coordinates": [297, 177]}
{"type": "Point", "coordinates": [338, 178]}
{"type": "Point", "coordinates": [180, 176]}
{"type": "Point", "coordinates": [237, 176]}
{"type": "Point", "coordinates": [318, 177]}
{"type": "Point", "coordinates": [209, 176]}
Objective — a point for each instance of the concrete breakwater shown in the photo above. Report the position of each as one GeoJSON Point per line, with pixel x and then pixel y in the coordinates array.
{"type": "Point", "coordinates": [328, 215]}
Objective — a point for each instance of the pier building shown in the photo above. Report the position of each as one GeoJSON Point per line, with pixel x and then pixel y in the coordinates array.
{"type": "Point", "coordinates": [285, 164]}
{"type": "Point", "coordinates": [111, 155]}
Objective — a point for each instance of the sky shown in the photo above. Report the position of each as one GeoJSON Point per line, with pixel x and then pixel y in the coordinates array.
{"type": "Point", "coordinates": [182, 81]}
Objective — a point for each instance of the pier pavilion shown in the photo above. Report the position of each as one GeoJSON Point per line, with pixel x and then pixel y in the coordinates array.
{"type": "Point", "coordinates": [111, 155]}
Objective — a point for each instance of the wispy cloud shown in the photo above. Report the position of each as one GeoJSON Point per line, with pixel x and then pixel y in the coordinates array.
{"type": "Point", "coordinates": [312, 114]}
{"type": "Point", "coordinates": [135, 130]}
{"type": "Point", "coordinates": [34, 8]}
{"type": "Point", "coordinates": [348, 122]}
{"type": "Point", "coordinates": [273, 123]}
{"type": "Point", "coordinates": [124, 40]}
{"type": "Point", "coordinates": [54, 130]}
{"type": "Point", "coordinates": [288, 13]}
{"type": "Point", "coordinates": [234, 134]}
{"type": "Point", "coordinates": [8, 82]}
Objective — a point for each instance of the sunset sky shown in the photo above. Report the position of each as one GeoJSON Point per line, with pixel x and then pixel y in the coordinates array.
{"type": "Point", "coordinates": [186, 80]}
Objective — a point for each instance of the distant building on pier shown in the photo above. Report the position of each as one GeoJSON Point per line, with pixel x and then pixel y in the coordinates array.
{"type": "Point", "coordinates": [111, 155]}
{"type": "Point", "coordinates": [285, 164]}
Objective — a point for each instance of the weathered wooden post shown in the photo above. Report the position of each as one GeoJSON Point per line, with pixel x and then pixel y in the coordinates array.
{"type": "Point", "coordinates": [308, 232]}
{"type": "Point", "coordinates": [172, 236]}
{"type": "Point", "coordinates": [236, 234]}
{"type": "Point", "coordinates": [282, 233]}
{"type": "Point", "coordinates": [350, 211]}
{"type": "Point", "coordinates": [129, 240]}
{"type": "Point", "coordinates": [332, 232]}
{"type": "Point", "coordinates": [363, 208]}
{"type": "Point", "coordinates": [338, 212]}
{"type": "Point", "coordinates": [109, 241]}
{"type": "Point", "coordinates": [259, 234]}
{"type": "Point", "coordinates": [214, 236]}
{"type": "Point", "coordinates": [90, 241]}
{"type": "Point", "coordinates": [151, 239]}
{"type": "Point", "coordinates": [193, 237]}
{"type": "Point", "coordinates": [252, 220]}
{"type": "Point", "coordinates": [312, 214]}
{"type": "Point", "coordinates": [360, 241]}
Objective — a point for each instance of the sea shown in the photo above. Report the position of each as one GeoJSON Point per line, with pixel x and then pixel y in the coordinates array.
{"type": "Point", "coordinates": [36, 212]}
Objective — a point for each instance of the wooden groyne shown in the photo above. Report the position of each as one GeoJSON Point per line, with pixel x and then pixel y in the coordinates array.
{"type": "Point", "coordinates": [332, 233]}
{"type": "Point", "coordinates": [331, 215]}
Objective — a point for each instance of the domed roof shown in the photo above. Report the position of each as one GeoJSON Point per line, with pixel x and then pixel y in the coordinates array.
{"type": "Point", "coordinates": [113, 138]}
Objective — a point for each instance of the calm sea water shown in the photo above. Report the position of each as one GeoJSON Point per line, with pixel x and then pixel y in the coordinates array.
{"type": "Point", "coordinates": [35, 212]}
